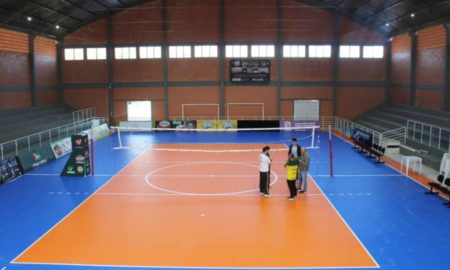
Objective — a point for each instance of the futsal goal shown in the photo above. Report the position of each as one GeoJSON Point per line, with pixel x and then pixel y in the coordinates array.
{"type": "Point", "coordinates": [245, 111]}
{"type": "Point", "coordinates": [200, 111]}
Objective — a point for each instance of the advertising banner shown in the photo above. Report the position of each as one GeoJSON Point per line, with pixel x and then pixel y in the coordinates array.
{"type": "Point", "coordinates": [100, 132]}
{"type": "Point", "coordinates": [189, 124]}
{"type": "Point", "coordinates": [61, 147]}
{"type": "Point", "coordinates": [217, 124]}
{"type": "Point", "coordinates": [207, 124]}
{"type": "Point", "coordinates": [9, 169]}
{"type": "Point", "coordinates": [298, 123]}
{"type": "Point", "coordinates": [36, 157]}
{"type": "Point", "coordinates": [227, 124]}
{"type": "Point", "coordinates": [79, 161]}
{"type": "Point", "coordinates": [163, 124]}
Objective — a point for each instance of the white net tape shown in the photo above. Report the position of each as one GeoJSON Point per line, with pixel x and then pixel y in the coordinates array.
{"type": "Point", "coordinates": [309, 141]}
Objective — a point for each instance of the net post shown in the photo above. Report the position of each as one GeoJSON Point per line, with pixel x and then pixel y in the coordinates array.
{"type": "Point", "coordinates": [92, 157]}
{"type": "Point", "coordinates": [313, 137]}
{"type": "Point", "coordinates": [119, 137]}
{"type": "Point", "coordinates": [331, 150]}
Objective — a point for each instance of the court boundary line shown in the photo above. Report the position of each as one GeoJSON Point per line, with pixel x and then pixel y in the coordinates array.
{"type": "Point", "coordinates": [13, 261]}
{"type": "Point", "coordinates": [400, 173]}
{"type": "Point", "coordinates": [199, 267]}
{"type": "Point", "coordinates": [345, 222]}
{"type": "Point", "coordinates": [377, 266]}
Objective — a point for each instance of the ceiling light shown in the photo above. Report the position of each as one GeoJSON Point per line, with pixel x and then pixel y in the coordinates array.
{"type": "Point", "coordinates": [387, 24]}
{"type": "Point", "coordinates": [412, 15]}
{"type": "Point", "coordinates": [29, 19]}
{"type": "Point", "coordinates": [391, 39]}
{"type": "Point", "coordinates": [57, 26]}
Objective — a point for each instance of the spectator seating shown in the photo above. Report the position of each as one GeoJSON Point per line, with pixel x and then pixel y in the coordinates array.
{"type": "Point", "coordinates": [442, 185]}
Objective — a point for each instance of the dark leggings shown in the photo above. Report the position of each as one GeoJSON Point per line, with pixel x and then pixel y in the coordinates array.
{"type": "Point", "coordinates": [292, 188]}
{"type": "Point", "coordinates": [263, 182]}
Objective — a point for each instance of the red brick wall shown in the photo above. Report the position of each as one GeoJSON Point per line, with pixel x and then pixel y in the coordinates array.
{"type": "Point", "coordinates": [197, 22]}
{"type": "Point", "coordinates": [14, 70]}
{"type": "Point", "coordinates": [430, 67]}
{"type": "Point", "coordinates": [46, 71]}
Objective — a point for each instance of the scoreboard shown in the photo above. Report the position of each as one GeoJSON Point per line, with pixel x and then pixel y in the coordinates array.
{"type": "Point", "coordinates": [249, 71]}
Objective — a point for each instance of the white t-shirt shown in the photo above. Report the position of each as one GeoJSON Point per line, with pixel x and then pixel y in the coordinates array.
{"type": "Point", "coordinates": [264, 162]}
{"type": "Point", "coordinates": [294, 151]}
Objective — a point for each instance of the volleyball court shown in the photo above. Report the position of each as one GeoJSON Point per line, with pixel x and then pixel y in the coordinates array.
{"type": "Point", "coordinates": [191, 199]}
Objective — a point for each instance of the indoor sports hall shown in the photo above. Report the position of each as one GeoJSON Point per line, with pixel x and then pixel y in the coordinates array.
{"type": "Point", "coordinates": [224, 134]}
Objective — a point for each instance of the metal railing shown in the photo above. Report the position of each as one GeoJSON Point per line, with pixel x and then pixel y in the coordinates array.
{"type": "Point", "coordinates": [398, 134]}
{"type": "Point", "coordinates": [428, 134]}
{"type": "Point", "coordinates": [26, 143]}
{"type": "Point", "coordinates": [83, 114]}
{"type": "Point", "coordinates": [346, 127]}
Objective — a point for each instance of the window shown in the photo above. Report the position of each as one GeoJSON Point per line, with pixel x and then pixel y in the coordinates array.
{"type": "Point", "coordinates": [73, 54]}
{"type": "Point", "coordinates": [346, 51]}
{"type": "Point", "coordinates": [179, 51]}
{"type": "Point", "coordinates": [263, 50]}
{"type": "Point", "coordinates": [96, 53]}
{"type": "Point", "coordinates": [139, 110]}
{"type": "Point", "coordinates": [125, 53]}
{"type": "Point", "coordinates": [236, 51]}
{"type": "Point", "coordinates": [205, 51]}
{"type": "Point", "coordinates": [150, 52]}
{"type": "Point", "coordinates": [294, 51]}
{"type": "Point", "coordinates": [373, 51]}
{"type": "Point", "coordinates": [319, 51]}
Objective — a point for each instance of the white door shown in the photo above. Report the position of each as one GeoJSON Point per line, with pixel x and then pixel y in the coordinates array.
{"type": "Point", "coordinates": [139, 110]}
{"type": "Point", "coordinates": [306, 110]}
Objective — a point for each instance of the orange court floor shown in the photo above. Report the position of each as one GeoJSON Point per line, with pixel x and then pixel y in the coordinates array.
{"type": "Point", "coordinates": [201, 209]}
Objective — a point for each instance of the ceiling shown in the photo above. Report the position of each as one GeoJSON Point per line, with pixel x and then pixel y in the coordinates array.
{"type": "Point", "coordinates": [57, 18]}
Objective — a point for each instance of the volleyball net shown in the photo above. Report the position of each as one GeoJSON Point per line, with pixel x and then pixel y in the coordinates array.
{"type": "Point", "coordinates": [128, 137]}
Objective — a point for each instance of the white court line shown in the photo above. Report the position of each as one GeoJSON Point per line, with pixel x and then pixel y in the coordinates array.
{"type": "Point", "coordinates": [358, 175]}
{"type": "Point", "coordinates": [201, 267]}
{"type": "Point", "coordinates": [345, 222]}
{"type": "Point", "coordinates": [55, 174]}
{"type": "Point", "coordinates": [152, 185]}
{"type": "Point", "coordinates": [199, 194]}
{"type": "Point", "coordinates": [78, 206]}
{"type": "Point", "coordinates": [400, 173]}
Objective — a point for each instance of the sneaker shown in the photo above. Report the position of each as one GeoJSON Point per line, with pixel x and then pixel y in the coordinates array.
{"type": "Point", "coordinates": [267, 196]}
{"type": "Point", "coordinates": [291, 198]}
{"type": "Point", "coordinates": [302, 191]}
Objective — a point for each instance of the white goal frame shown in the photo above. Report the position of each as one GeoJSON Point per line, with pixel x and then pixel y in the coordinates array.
{"type": "Point", "coordinates": [184, 105]}
{"type": "Point", "coordinates": [263, 114]}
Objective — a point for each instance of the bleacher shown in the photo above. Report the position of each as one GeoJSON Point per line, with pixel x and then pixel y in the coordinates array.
{"type": "Point", "coordinates": [389, 117]}
{"type": "Point", "coordinates": [23, 122]}
{"type": "Point", "coordinates": [39, 122]}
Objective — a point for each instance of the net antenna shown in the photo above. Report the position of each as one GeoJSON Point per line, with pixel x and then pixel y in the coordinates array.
{"type": "Point", "coordinates": [184, 107]}
{"type": "Point", "coordinates": [330, 139]}
{"type": "Point", "coordinates": [260, 105]}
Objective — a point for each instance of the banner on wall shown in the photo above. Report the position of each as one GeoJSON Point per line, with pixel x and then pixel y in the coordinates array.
{"type": "Point", "coordinates": [189, 124]}
{"type": "Point", "coordinates": [36, 157]}
{"type": "Point", "coordinates": [100, 132]}
{"type": "Point", "coordinates": [61, 147]}
{"type": "Point", "coordinates": [298, 123]}
{"type": "Point", "coordinates": [217, 124]}
{"type": "Point", "coordinates": [163, 124]}
{"type": "Point", "coordinates": [9, 169]}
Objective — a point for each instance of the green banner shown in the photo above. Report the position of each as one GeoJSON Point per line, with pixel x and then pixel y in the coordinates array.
{"type": "Point", "coordinates": [79, 160]}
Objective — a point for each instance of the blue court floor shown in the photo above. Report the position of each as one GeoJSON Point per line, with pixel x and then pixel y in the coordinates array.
{"type": "Point", "coordinates": [398, 224]}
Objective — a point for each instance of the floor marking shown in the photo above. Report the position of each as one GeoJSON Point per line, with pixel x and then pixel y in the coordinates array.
{"type": "Point", "coordinates": [78, 206]}
{"type": "Point", "coordinates": [358, 175]}
{"type": "Point", "coordinates": [209, 195]}
{"type": "Point", "coordinates": [201, 267]}
{"type": "Point", "coordinates": [149, 183]}
{"type": "Point", "coordinates": [345, 222]}
{"type": "Point", "coordinates": [397, 170]}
